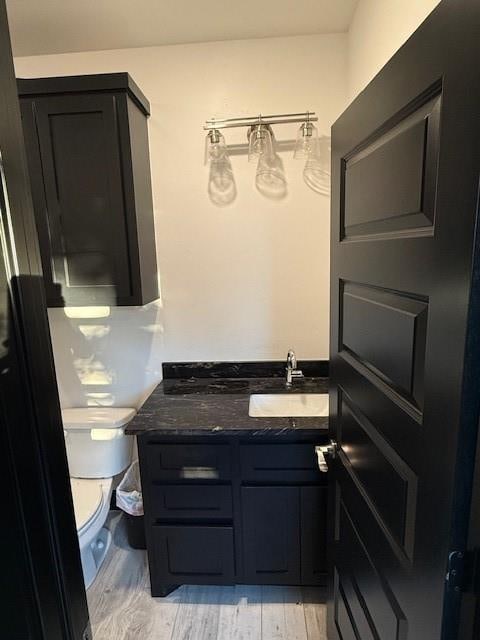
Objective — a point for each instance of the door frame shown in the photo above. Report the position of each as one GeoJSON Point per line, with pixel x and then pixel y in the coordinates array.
{"type": "Point", "coordinates": [469, 617]}
{"type": "Point", "coordinates": [36, 446]}
{"type": "Point", "coordinates": [461, 613]}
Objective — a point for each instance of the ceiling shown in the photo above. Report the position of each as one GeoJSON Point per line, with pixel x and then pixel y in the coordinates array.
{"type": "Point", "coordinates": [59, 26]}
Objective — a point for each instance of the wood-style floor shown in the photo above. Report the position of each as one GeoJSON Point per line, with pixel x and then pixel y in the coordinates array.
{"type": "Point", "coordinates": [121, 607]}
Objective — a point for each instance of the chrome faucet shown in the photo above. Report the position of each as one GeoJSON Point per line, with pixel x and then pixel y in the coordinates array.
{"type": "Point", "coordinates": [291, 368]}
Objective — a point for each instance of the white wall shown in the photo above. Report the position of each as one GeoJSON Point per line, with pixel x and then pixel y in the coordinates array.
{"type": "Point", "coordinates": [378, 30]}
{"type": "Point", "coordinates": [108, 356]}
{"type": "Point", "coordinates": [242, 282]}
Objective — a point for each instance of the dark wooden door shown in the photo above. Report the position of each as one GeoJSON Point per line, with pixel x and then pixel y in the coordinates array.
{"type": "Point", "coordinates": [404, 352]}
{"type": "Point", "coordinates": [41, 582]}
{"type": "Point", "coordinates": [271, 534]}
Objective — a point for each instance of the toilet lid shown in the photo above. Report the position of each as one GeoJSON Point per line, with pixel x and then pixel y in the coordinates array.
{"type": "Point", "coordinates": [94, 417]}
{"type": "Point", "coordinates": [87, 500]}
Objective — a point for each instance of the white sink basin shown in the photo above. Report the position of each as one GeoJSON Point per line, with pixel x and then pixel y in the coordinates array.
{"type": "Point", "coordinates": [288, 405]}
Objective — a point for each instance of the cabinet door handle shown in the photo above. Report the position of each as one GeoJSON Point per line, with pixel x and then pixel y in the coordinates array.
{"type": "Point", "coordinates": [322, 453]}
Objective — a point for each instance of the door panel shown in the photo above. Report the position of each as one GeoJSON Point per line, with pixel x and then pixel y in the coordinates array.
{"type": "Point", "coordinates": [193, 554]}
{"type": "Point", "coordinates": [351, 615]}
{"type": "Point", "coordinates": [271, 534]}
{"type": "Point", "coordinates": [344, 617]}
{"type": "Point", "coordinates": [385, 332]}
{"type": "Point", "coordinates": [380, 475]}
{"type": "Point", "coordinates": [355, 565]}
{"type": "Point", "coordinates": [78, 158]}
{"type": "Point", "coordinates": [389, 183]}
{"type": "Point", "coordinates": [404, 401]}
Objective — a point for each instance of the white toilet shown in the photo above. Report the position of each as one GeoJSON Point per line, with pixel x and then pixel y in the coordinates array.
{"type": "Point", "coordinates": [97, 450]}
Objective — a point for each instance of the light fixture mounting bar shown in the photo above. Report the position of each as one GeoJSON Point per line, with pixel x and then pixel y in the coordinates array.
{"type": "Point", "coordinates": [283, 118]}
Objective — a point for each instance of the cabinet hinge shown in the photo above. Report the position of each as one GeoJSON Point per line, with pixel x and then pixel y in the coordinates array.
{"type": "Point", "coordinates": [463, 572]}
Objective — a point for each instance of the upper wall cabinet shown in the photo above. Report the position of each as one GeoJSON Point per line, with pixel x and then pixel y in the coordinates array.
{"type": "Point", "coordinates": [87, 149]}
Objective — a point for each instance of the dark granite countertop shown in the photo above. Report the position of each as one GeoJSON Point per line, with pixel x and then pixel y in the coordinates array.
{"type": "Point", "coordinates": [219, 406]}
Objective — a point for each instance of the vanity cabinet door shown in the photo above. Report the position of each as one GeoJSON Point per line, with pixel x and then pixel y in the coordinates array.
{"type": "Point", "coordinates": [313, 508]}
{"type": "Point", "coordinates": [271, 535]}
{"type": "Point", "coordinates": [191, 554]}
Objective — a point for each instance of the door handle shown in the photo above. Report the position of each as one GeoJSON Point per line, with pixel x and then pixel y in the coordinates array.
{"type": "Point", "coordinates": [323, 452]}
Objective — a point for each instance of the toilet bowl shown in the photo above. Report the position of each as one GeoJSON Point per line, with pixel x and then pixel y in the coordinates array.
{"type": "Point", "coordinates": [97, 450]}
{"type": "Point", "coordinates": [91, 502]}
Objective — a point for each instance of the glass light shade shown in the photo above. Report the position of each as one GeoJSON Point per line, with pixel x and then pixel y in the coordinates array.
{"type": "Point", "coordinates": [270, 178]}
{"type": "Point", "coordinates": [307, 141]}
{"type": "Point", "coordinates": [215, 146]}
{"type": "Point", "coordinates": [260, 142]}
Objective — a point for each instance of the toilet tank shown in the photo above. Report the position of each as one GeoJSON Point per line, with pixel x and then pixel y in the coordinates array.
{"type": "Point", "coordinates": [97, 446]}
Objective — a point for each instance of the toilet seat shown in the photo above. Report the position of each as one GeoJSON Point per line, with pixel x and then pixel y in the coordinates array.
{"type": "Point", "coordinates": [87, 501]}
{"type": "Point", "coordinates": [91, 502]}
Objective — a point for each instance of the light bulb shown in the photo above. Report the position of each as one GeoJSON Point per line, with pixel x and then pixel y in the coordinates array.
{"type": "Point", "coordinates": [215, 147]}
{"type": "Point", "coordinates": [260, 141]}
{"type": "Point", "coordinates": [306, 143]}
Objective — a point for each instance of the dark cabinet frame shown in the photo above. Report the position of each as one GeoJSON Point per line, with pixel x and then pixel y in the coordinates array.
{"type": "Point", "coordinates": [95, 227]}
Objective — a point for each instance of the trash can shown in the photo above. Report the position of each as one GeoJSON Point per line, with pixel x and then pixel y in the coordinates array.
{"type": "Point", "coordinates": [129, 500]}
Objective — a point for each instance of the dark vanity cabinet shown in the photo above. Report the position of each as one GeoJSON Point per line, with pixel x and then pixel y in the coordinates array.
{"type": "Point", "coordinates": [87, 149]}
{"type": "Point", "coordinates": [233, 511]}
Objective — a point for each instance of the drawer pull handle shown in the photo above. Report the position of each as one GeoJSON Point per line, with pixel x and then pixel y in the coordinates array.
{"type": "Point", "coordinates": [206, 473]}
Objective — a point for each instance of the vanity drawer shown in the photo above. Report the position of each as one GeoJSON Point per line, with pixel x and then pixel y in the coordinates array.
{"type": "Point", "coordinates": [188, 462]}
{"type": "Point", "coordinates": [193, 554]}
{"type": "Point", "coordinates": [181, 502]}
{"type": "Point", "coordinates": [279, 463]}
